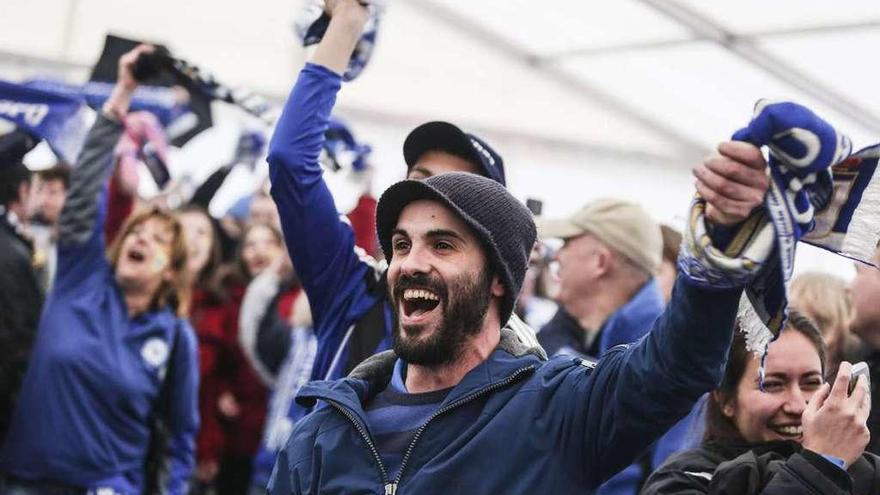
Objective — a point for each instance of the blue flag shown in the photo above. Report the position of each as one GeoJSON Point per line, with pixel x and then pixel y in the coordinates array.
{"type": "Point", "coordinates": [62, 121]}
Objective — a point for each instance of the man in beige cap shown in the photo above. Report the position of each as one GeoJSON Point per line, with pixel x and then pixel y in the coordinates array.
{"type": "Point", "coordinates": [607, 292]}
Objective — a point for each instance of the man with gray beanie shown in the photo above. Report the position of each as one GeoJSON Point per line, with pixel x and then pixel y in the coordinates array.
{"type": "Point", "coordinates": [346, 291]}
{"type": "Point", "coordinates": [607, 292]}
{"type": "Point", "coordinates": [460, 405]}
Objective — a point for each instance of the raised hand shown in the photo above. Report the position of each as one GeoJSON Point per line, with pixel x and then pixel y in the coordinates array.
{"type": "Point", "coordinates": [347, 21]}
{"type": "Point", "coordinates": [733, 181]}
{"type": "Point", "coordinates": [125, 76]}
{"type": "Point", "coordinates": [120, 99]}
{"type": "Point", "coordinates": [834, 422]}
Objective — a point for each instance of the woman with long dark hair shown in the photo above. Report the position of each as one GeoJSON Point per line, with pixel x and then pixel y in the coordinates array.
{"type": "Point", "coordinates": [111, 388]}
{"type": "Point", "coordinates": [788, 432]}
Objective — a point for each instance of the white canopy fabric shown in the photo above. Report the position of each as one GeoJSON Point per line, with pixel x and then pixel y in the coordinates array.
{"type": "Point", "coordinates": [588, 93]}
{"type": "Point", "coordinates": [656, 76]}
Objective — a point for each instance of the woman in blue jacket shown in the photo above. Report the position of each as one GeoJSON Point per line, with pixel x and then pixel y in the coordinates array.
{"type": "Point", "coordinates": [114, 364]}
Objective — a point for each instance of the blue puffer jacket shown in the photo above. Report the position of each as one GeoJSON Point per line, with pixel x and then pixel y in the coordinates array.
{"type": "Point", "coordinates": [515, 423]}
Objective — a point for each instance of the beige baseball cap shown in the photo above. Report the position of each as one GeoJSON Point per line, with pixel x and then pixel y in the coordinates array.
{"type": "Point", "coordinates": [621, 225]}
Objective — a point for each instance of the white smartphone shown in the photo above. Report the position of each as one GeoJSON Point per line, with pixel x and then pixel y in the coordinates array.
{"type": "Point", "coordinates": [859, 369]}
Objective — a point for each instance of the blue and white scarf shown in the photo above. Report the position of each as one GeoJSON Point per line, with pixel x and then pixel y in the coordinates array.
{"type": "Point", "coordinates": [311, 25]}
{"type": "Point", "coordinates": [163, 102]}
{"type": "Point", "coordinates": [820, 193]}
{"type": "Point", "coordinates": [60, 120]}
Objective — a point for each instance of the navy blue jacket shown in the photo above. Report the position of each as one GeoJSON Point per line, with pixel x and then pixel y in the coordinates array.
{"type": "Point", "coordinates": [515, 423]}
{"type": "Point", "coordinates": [93, 385]}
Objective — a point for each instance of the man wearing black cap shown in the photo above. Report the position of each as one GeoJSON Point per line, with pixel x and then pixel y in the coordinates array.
{"type": "Point", "coordinates": [460, 405]}
{"type": "Point", "coordinates": [20, 296]}
{"type": "Point", "coordinates": [352, 318]}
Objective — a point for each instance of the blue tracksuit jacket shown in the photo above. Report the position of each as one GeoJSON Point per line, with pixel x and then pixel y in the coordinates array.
{"type": "Point", "coordinates": [342, 288]}
{"type": "Point", "coordinates": [94, 380]}
{"type": "Point", "coordinates": [517, 424]}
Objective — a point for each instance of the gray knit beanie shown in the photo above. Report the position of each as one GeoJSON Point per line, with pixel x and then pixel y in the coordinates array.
{"type": "Point", "coordinates": [500, 221]}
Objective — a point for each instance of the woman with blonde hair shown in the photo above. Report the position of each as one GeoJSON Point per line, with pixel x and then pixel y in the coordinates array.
{"type": "Point", "coordinates": [824, 298]}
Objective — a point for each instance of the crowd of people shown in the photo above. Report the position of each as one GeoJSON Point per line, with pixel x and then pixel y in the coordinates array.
{"type": "Point", "coordinates": [437, 339]}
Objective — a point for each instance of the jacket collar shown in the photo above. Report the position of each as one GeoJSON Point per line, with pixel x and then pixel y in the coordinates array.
{"type": "Point", "coordinates": [374, 375]}
{"type": "Point", "coordinates": [645, 305]}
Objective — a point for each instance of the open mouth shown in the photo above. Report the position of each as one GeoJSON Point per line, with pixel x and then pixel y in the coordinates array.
{"type": "Point", "coordinates": [419, 302]}
{"type": "Point", "coordinates": [788, 431]}
{"type": "Point", "coordinates": [259, 263]}
{"type": "Point", "coordinates": [136, 255]}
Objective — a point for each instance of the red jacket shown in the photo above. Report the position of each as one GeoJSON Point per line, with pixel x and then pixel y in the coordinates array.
{"type": "Point", "coordinates": [223, 369]}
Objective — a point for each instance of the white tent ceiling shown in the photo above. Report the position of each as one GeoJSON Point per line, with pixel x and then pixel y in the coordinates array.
{"type": "Point", "coordinates": [591, 90]}
{"type": "Point", "coordinates": [666, 78]}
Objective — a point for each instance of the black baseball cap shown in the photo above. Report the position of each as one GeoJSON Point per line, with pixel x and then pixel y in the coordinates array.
{"type": "Point", "coordinates": [443, 136]}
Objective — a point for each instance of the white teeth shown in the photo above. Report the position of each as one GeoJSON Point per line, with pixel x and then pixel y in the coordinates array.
{"type": "Point", "coordinates": [411, 294]}
{"type": "Point", "coordinates": [791, 430]}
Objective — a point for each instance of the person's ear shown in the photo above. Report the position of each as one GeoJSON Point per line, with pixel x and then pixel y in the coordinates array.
{"type": "Point", "coordinates": [498, 289]}
{"type": "Point", "coordinates": [728, 405]}
{"type": "Point", "coordinates": [604, 260]}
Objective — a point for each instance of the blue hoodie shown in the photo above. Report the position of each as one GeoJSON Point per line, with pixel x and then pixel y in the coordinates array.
{"type": "Point", "coordinates": [516, 423]}
{"type": "Point", "coordinates": [96, 375]}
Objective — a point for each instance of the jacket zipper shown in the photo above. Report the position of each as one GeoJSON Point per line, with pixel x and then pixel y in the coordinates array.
{"type": "Point", "coordinates": [443, 410]}
{"type": "Point", "coordinates": [391, 486]}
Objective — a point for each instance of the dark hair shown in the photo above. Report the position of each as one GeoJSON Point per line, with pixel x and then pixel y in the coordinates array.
{"type": "Point", "coordinates": [722, 428]}
{"type": "Point", "coordinates": [60, 171]}
{"type": "Point", "coordinates": [11, 178]}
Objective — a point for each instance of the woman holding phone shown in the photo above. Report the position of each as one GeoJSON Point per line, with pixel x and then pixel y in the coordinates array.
{"type": "Point", "coordinates": [797, 435]}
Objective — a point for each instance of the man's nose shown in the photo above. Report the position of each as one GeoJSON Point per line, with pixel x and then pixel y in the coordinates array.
{"type": "Point", "coordinates": [416, 261]}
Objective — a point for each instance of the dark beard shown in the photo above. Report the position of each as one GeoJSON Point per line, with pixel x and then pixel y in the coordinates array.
{"type": "Point", "coordinates": [465, 304]}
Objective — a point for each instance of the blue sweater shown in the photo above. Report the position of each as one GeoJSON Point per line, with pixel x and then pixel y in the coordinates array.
{"type": "Point", "coordinates": [515, 423]}
{"type": "Point", "coordinates": [93, 384]}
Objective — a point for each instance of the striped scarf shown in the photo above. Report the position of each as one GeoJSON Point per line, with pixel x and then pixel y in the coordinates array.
{"type": "Point", "coordinates": [820, 193]}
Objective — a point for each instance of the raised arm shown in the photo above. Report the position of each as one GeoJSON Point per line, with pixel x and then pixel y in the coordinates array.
{"type": "Point", "coordinates": [643, 389]}
{"type": "Point", "coordinates": [80, 237]}
{"type": "Point", "coordinates": [321, 244]}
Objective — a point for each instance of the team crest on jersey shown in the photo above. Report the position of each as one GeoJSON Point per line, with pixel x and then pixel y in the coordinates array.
{"type": "Point", "coordinates": [155, 352]}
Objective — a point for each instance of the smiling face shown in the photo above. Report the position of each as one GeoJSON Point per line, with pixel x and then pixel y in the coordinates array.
{"type": "Point", "coordinates": [793, 374]}
{"type": "Point", "coordinates": [199, 235]}
{"type": "Point", "coordinates": [144, 256]}
{"type": "Point", "coordinates": [260, 248]}
{"type": "Point", "coordinates": [439, 283]}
